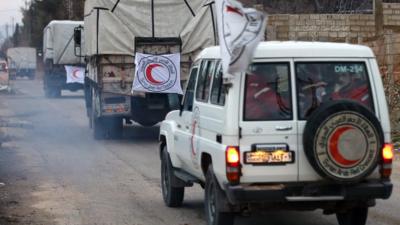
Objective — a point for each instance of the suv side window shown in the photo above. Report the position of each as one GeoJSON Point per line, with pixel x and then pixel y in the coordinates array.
{"type": "Point", "coordinates": [204, 80]}
{"type": "Point", "coordinates": [267, 92]}
{"type": "Point", "coordinates": [218, 89]}
{"type": "Point", "coordinates": [189, 94]}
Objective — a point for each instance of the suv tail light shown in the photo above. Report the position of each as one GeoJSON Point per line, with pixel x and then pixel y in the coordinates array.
{"type": "Point", "coordinates": [233, 172]}
{"type": "Point", "coordinates": [387, 158]}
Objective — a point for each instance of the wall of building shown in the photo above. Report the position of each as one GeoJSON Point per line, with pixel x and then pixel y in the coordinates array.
{"type": "Point", "coordinates": [330, 27]}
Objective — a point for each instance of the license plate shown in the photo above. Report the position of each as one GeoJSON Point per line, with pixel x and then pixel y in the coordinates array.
{"type": "Point", "coordinates": [268, 157]}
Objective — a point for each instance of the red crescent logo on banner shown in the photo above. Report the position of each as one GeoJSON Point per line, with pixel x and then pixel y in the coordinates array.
{"type": "Point", "coordinates": [74, 73]}
{"type": "Point", "coordinates": [149, 73]}
{"type": "Point", "coordinates": [334, 149]}
{"type": "Point", "coordinates": [233, 10]}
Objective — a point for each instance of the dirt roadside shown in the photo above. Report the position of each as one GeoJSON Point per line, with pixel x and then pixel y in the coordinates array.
{"type": "Point", "coordinates": [17, 184]}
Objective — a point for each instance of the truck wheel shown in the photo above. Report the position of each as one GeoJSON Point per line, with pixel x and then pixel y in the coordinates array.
{"type": "Point", "coordinates": [48, 93]}
{"type": "Point", "coordinates": [88, 99]}
{"type": "Point", "coordinates": [342, 141]}
{"type": "Point", "coordinates": [52, 92]}
{"type": "Point", "coordinates": [355, 216]}
{"type": "Point", "coordinates": [213, 196]}
{"type": "Point", "coordinates": [99, 129]}
{"type": "Point", "coordinates": [56, 92]}
{"type": "Point", "coordinates": [173, 196]}
{"type": "Point", "coordinates": [115, 127]}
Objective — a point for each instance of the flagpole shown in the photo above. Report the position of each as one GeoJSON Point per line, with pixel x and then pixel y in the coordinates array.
{"type": "Point", "coordinates": [152, 18]}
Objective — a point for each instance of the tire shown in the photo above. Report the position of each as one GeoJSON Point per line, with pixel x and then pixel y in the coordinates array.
{"type": "Point", "coordinates": [115, 127]}
{"type": "Point", "coordinates": [173, 196]}
{"type": "Point", "coordinates": [48, 93]}
{"type": "Point", "coordinates": [52, 92]}
{"type": "Point", "coordinates": [212, 195]}
{"type": "Point", "coordinates": [355, 216]}
{"type": "Point", "coordinates": [56, 92]}
{"type": "Point", "coordinates": [88, 99]}
{"type": "Point", "coordinates": [329, 137]}
{"type": "Point", "coordinates": [99, 129]}
{"type": "Point", "coordinates": [97, 123]}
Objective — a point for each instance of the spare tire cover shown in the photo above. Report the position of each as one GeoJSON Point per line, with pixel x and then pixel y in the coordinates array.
{"type": "Point", "coordinates": [342, 141]}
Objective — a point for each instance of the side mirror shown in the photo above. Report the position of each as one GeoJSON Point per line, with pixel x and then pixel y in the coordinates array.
{"type": "Point", "coordinates": [78, 41]}
{"type": "Point", "coordinates": [78, 36]}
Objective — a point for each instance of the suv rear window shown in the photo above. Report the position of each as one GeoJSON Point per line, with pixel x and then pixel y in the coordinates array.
{"type": "Point", "coordinates": [267, 92]}
{"type": "Point", "coordinates": [318, 82]}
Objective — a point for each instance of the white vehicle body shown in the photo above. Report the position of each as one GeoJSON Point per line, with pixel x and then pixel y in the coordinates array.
{"type": "Point", "coordinates": [201, 136]}
{"type": "Point", "coordinates": [22, 58]}
{"type": "Point", "coordinates": [4, 76]}
{"type": "Point", "coordinates": [59, 51]}
{"type": "Point", "coordinates": [58, 44]}
{"type": "Point", "coordinates": [22, 62]}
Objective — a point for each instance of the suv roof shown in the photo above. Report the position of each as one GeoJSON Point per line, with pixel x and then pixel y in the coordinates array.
{"type": "Point", "coordinates": [295, 49]}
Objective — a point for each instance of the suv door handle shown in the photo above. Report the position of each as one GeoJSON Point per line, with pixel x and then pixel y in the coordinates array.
{"type": "Point", "coordinates": [283, 128]}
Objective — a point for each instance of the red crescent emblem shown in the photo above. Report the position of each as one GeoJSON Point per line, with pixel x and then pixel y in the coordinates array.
{"type": "Point", "coordinates": [192, 138]}
{"type": "Point", "coordinates": [74, 73]}
{"type": "Point", "coordinates": [334, 150]}
{"type": "Point", "coordinates": [233, 10]}
{"type": "Point", "coordinates": [149, 73]}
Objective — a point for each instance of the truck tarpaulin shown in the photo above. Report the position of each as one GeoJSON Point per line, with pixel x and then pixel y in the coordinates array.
{"type": "Point", "coordinates": [58, 43]}
{"type": "Point", "coordinates": [21, 58]}
{"type": "Point", "coordinates": [111, 26]}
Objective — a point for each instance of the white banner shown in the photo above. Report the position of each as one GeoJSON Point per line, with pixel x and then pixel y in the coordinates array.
{"type": "Point", "coordinates": [157, 73]}
{"type": "Point", "coordinates": [75, 74]}
{"type": "Point", "coordinates": [239, 30]}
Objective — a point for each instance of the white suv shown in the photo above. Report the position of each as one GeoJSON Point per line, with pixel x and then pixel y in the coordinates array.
{"type": "Point", "coordinates": [306, 127]}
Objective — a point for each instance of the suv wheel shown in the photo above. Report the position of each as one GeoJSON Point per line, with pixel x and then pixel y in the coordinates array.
{"type": "Point", "coordinates": [173, 196]}
{"type": "Point", "coordinates": [213, 196]}
{"type": "Point", "coordinates": [355, 216]}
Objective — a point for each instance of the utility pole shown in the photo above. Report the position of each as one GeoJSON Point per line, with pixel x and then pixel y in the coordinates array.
{"type": "Point", "coordinates": [7, 31]}
{"type": "Point", "coordinates": [378, 12]}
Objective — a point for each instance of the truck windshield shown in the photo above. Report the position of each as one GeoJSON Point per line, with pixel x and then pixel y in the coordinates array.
{"type": "Point", "coordinates": [267, 92]}
{"type": "Point", "coordinates": [318, 82]}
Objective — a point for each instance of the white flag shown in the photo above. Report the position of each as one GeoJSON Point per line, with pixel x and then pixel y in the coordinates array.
{"type": "Point", "coordinates": [157, 73]}
{"type": "Point", "coordinates": [239, 30]}
{"type": "Point", "coordinates": [75, 74]}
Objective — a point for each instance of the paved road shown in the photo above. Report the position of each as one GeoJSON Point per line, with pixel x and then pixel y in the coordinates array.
{"type": "Point", "coordinates": [56, 173]}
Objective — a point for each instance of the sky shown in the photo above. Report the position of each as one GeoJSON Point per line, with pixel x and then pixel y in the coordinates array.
{"type": "Point", "coordinates": [8, 10]}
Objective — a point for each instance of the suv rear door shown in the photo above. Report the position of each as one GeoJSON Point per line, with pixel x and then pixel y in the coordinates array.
{"type": "Point", "coordinates": [267, 123]}
{"type": "Point", "coordinates": [322, 80]}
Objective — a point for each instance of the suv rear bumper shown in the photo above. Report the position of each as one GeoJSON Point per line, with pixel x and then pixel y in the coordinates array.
{"type": "Point", "coordinates": [307, 192]}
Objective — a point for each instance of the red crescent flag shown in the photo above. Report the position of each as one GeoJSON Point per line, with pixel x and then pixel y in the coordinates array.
{"type": "Point", "coordinates": [157, 73]}
{"type": "Point", "coordinates": [240, 30]}
{"type": "Point", "coordinates": [75, 74]}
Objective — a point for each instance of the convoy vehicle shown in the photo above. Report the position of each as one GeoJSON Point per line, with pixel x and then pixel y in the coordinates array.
{"type": "Point", "coordinates": [305, 127]}
{"type": "Point", "coordinates": [115, 33]}
{"type": "Point", "coordinates": [22, 62]}
{"type": "Point", "coordinates": [4, 76]}
{"type": "Point", "coordinates": [59, 51]}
